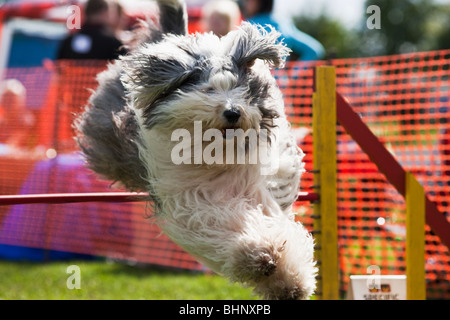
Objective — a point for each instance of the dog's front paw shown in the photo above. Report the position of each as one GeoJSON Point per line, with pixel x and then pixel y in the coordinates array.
{"type": "Point", "coordinates": [265, 265]}
{"type": "Point", "coordinates": [253, 262]}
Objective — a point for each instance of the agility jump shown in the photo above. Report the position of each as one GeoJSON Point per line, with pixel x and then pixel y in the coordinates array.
{"type": "Point", "coordinates": [325, 209]}
{"type": "Point", "coordinates": [328, 108]}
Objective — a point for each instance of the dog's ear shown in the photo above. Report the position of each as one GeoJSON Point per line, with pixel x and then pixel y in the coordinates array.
{"type": "Point", "coordinates": [254, 42]}
{"type": "Point", "coordinates": [152, 73]}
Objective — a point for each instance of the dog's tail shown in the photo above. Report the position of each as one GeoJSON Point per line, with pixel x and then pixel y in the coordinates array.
{"type": "Point", "coordinates": [172, 20]}
{"type": "Point", "coordinates": [173, 16]}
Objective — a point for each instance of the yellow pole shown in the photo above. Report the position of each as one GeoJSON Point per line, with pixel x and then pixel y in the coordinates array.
{"type": "Point", "coordinates": [415, 239]}
{"type": "Point", "coordinates": [325, 181]}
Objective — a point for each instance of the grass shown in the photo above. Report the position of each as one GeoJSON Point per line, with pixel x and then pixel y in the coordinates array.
{"type": "Point", "coordinates": [111, 281]}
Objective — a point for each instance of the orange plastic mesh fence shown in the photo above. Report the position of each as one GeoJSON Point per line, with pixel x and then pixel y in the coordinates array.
{"type": "Point", "coordinates": [404, 99]}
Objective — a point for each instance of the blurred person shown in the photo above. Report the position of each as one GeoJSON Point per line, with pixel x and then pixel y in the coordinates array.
{"type": "Point", "coordinates": [119, 21]}
{"type": "Point", "coordinates": [16, 122]}
{"type": "Point", "coordinates": [303, 46]}
{"type": "Point", "coordinates": [221, 16]}
{"type": "Point", "coordinates": [95, 39]}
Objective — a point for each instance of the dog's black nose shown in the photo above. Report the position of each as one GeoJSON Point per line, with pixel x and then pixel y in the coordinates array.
{"type": "Point", "coordinates": [232, 115]}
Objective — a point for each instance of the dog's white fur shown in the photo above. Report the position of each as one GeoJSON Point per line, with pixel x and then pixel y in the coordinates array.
{"type": "Point", "coordinates": [232, 218]}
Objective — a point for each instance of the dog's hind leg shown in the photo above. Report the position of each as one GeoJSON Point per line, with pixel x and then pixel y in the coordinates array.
{"type": "Point", "coordinates": [284, 185]}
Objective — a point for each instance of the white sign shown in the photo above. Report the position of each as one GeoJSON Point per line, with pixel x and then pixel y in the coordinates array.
{"type": "Point", "coordinates": [377, 287]}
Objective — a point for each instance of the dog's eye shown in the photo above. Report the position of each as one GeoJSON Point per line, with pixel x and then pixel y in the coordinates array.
{"type": "Point", "coordinates": [250, 63]}
{"type": "Point", "coordinates": [208, 90]}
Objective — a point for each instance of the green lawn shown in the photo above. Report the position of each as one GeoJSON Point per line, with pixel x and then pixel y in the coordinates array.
{"type": "Point", "coordinates": [101, 280]}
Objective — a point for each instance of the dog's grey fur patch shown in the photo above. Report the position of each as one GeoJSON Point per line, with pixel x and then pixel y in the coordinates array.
{"type": "Point", "coordinates": [108, 134]}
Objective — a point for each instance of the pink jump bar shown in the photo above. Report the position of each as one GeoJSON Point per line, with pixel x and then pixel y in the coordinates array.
{"type": "Point", "coordinates": [97, 197]}
{"type": "Point", "coordinates": [72, 198]}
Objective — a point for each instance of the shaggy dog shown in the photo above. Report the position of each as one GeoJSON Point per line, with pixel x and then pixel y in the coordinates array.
{"type": "Point", "coordinates": [210, 196]}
